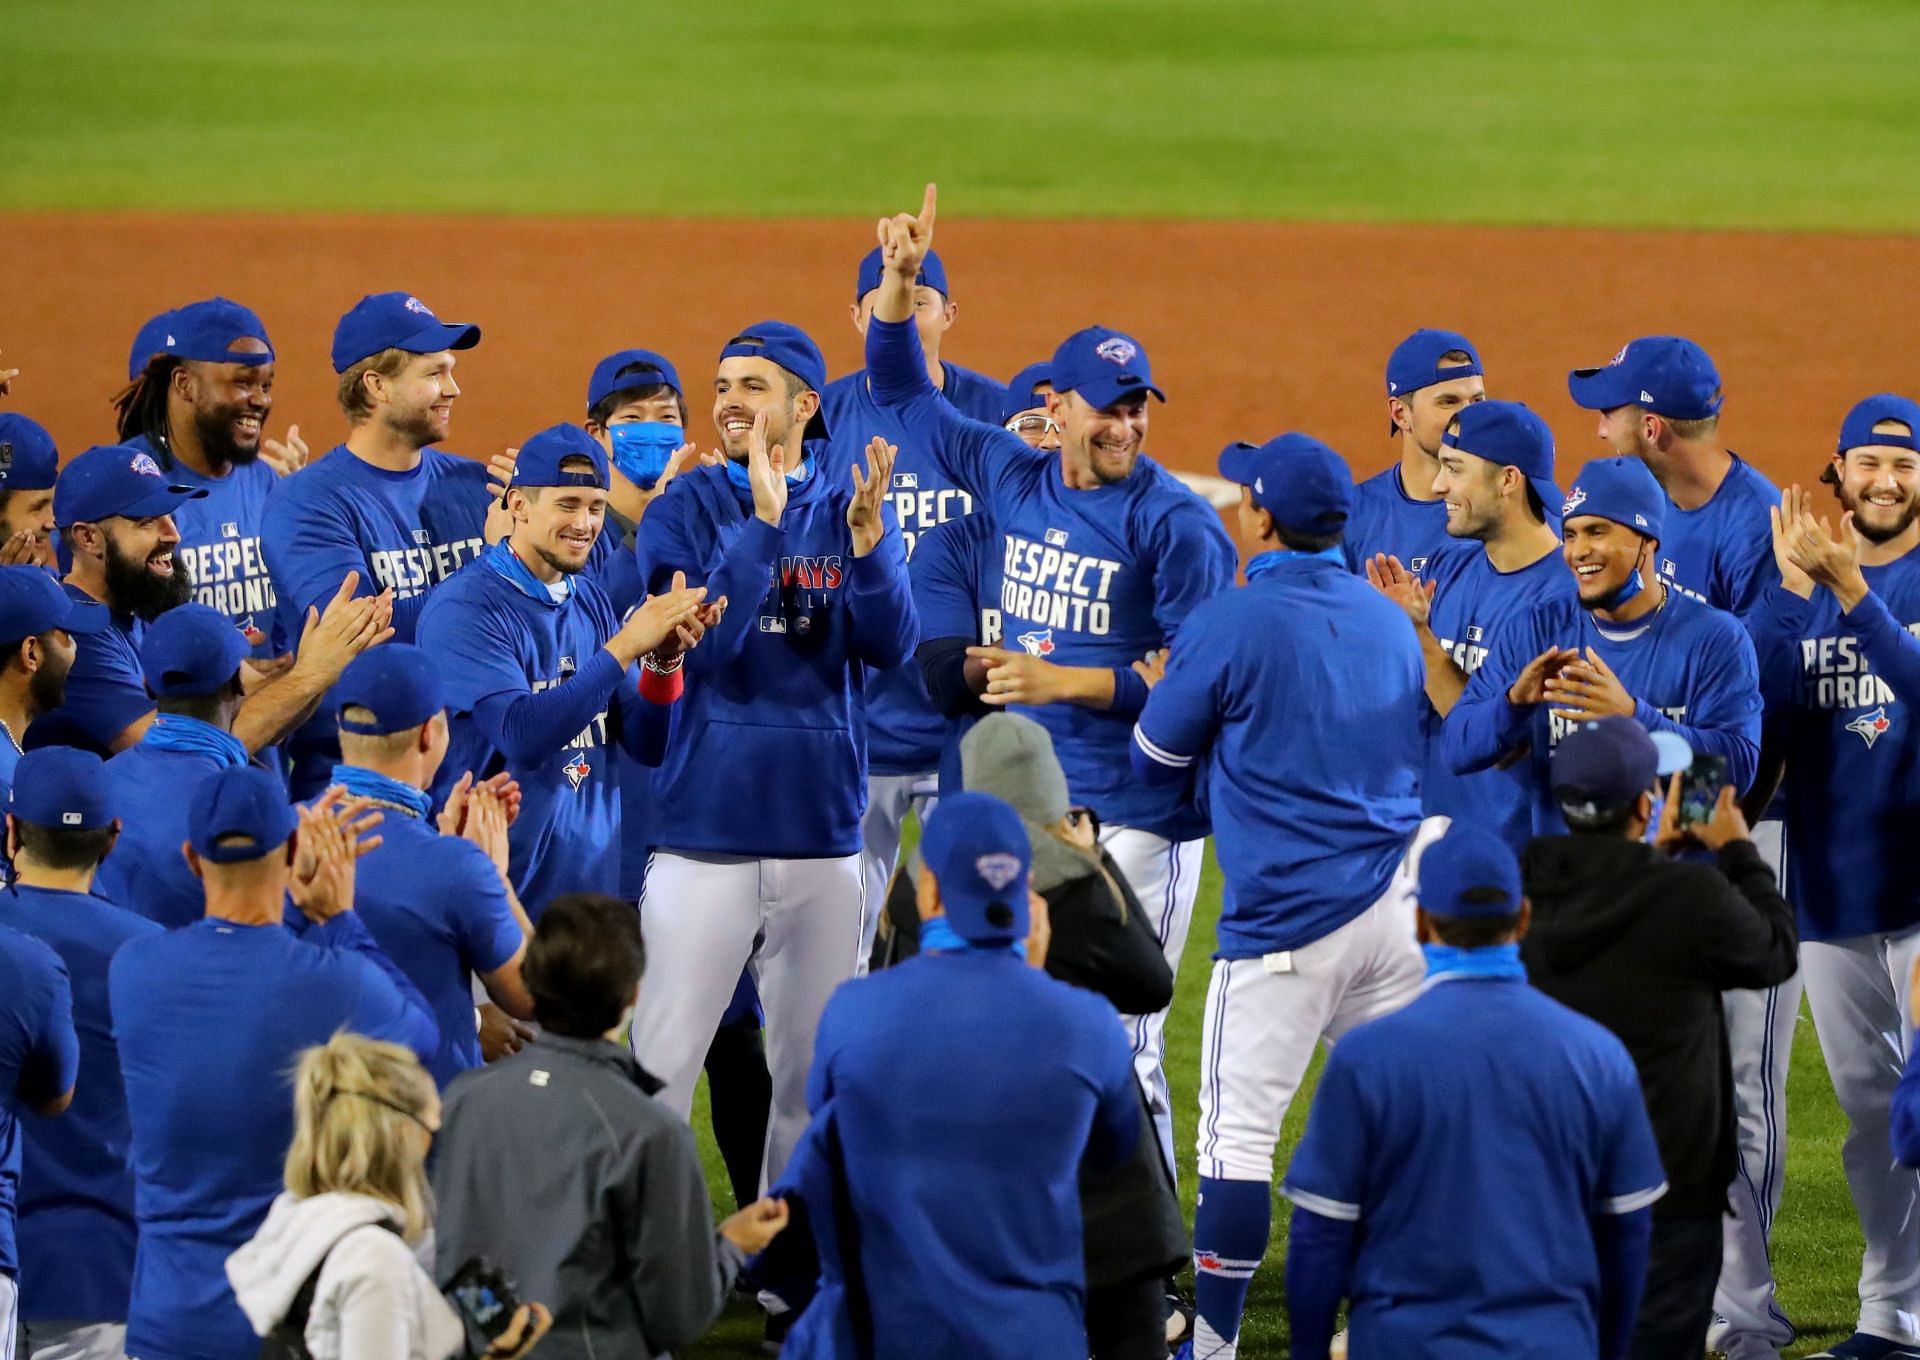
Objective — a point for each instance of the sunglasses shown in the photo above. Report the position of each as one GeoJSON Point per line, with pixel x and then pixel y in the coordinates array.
{"type": "Point", "coordinates": [1033, 424]}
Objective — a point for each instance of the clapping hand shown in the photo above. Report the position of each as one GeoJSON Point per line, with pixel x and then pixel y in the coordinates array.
{"type": "Point", "coordinates": [866, 512]}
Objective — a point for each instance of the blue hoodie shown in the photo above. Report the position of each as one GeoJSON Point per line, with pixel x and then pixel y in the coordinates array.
{"type": "Point", "coordinates": [771, 757]}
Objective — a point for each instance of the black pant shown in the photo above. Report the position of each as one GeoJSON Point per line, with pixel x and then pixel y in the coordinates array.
{"type": "Point", "coordinates": [740, 1092]}
{"type": "Point", "coordinates": [1683, 1266]}
{"type": "Point", "coordinates": [1128, 1320]}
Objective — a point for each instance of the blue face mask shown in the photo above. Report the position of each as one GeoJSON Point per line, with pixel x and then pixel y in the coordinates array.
{"type": "Point", "coordinates": [641, 449]}
{"type": "Point", "coordinates": [1621, 593]}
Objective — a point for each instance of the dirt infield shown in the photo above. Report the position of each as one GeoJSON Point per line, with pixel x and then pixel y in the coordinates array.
{"type": "Point", "coordinates": [1252, 328]}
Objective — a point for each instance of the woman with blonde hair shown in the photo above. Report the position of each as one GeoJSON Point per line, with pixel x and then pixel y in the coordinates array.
{"type": "Point", "coordinates": [342, 1266]}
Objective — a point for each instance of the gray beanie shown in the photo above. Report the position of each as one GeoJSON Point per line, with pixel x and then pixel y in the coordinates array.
{"type": "Point", "coordinates": [1011, 756]}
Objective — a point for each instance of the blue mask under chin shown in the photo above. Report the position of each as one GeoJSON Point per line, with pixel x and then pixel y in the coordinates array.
{"type": "Point", "coordinates": [641, 449]}
{"type": "Point", "coordinates": [1621, 593]}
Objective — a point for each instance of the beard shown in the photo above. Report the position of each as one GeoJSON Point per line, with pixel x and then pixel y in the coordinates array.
{"type": "Point", "coordinates": [47, 687]}
{"type": "Point", "coordinates": [419, 427]}
{"type": "Point", "coordinates": [563, 567]}
{"type": "Point", "coordinates": [214, 425]}
{"type": "Point", "coordinates": [1881, 533]}
{"type": "Point", "coordinates": [137, 591]}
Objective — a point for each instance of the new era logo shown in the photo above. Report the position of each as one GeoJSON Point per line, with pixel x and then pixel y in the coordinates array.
{"type": "Point", "coordinates": [1646, 397]}
{"type": "Point", "coordinates": [1640, 520]}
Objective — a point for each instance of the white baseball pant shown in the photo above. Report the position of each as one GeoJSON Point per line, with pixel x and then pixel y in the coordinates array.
{"type": "Point", "coordinates": [9, 1314]}
{"type": "Point", "coordinates": [889, 798]}
{"type": "Point", "coordinates": [1264, 1016]}
{"type": "Point", "coordinates": [1749, 1323]}
{"type": "Point", "coordinates": [1857, 990]}
{"type": "Point", "coordinates": [78, 1340]}
{"type": "Point", "coordinates": [1165, 876]}
{"type": "Point", "coordinates": [703, 918]}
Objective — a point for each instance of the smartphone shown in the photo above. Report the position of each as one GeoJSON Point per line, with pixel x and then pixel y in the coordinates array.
{"type": "Point", "coordinates": [1700, 788]}
{"type": "Point", "coordinates": [484, 1297]}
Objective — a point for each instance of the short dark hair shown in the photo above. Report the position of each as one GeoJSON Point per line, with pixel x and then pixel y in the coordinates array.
{"type": "Point", "coordinates": [64, 848]}
{"type": "Point", "coordinates": [1587, 817]}
{"type": "Point", "coordinates": [583, 964]}
{"type": "Point", "coordinates": [613, 401]}
{"type": "Point", "coordinates": [1294, 541]}
{"type": "Point", "coordinates": [1474, 932]}
{"type": "Point", "coordinates": [204, 707]}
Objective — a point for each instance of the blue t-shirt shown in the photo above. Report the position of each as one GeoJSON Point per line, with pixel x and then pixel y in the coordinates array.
{"type": "Point", "coordinates": [1690, 669]}
{"type": "Point", "coordinates": [1306, 689]}
{"type": "Point", "coordinates": [107, 689]}
{"type": "Point", "coordinates": [969, 1250]}
{"type": "Point", "coordinates": [39, 1057]}
{"type": "Point", "coordinates": [1835, 685]}
{"type": "Point", "coordinates": [955, 575]}
{"type": "Point", "coordinates": [211, 1020]}
{"type": "Point", "coordinates": [1097, 577]}
{"type": "Point", "coordinates": [76, 1202]}
{"type": "Point", "coordinates": [1473, 605]}
{"type": "Point", "coordinates": [1473, 1136]}
{"type": "Point", "coordinates": [775, 695]}
{"type": "Point", "coordinates": [153, 791]}
{"type": "Point", "coordinates": [1385, 519]}
{"type": "Point", "coordinates": [220, 538]}
{"type": "Point", "coordinates": [496, 641]}
{"type": "Point", "coordinates": [408, 530]}
{"type": "Point", "coordinates": [436, 907]}
{"type": "Point", "coordinates": [1722, 553]}
{"type": "Point", "coordinates": [904, 734]}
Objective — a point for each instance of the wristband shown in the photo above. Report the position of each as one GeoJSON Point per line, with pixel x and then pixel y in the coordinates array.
{"type": "Point", "coordinates": [661, 685]}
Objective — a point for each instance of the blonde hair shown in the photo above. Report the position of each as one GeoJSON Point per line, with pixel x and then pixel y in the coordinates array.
{"type": "Point", "coordinates": [355, 1103]}
{"type": "Point", "coordinates": [353, 383]}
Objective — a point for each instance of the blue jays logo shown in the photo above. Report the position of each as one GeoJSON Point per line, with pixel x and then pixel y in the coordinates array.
{"type": "Point", "coordinates": [414, 304]}
{"type": "Point", "coordinates": [576, 770]}
{"type": "Point", "coordinates": [1117, 349]}
{"type": "Point", "coordinates": [997, 869]}
{"type": "Point", "coordinates": [1871, 726]}
{"type": "Point", "coordinates": [144, 465]}
{"type": "Point", "coordinates": [1573, 502]}
{"type": "Point", "coordinates": [1038, 643]}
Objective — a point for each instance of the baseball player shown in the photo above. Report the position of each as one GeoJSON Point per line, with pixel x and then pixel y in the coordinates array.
{"type": "Point", "coordinates": [38, 625]}
{"type": "Point", "coordinates": [757, 805]}
{"type": "Point", "coordinates": [1495, 477]}
{"type": "Point", "coordinates": [542, 675]}
{"type": "Point", "coordinates": [29, 467]}
{"type": "Point", "coordinates": [1840, 668]}
{"type": "Point", "coordinates": [1317, 838]}
{"type": "Point", "coordinates": [1104, 554]}
{"type": "Point", "coordinates": [1659, 400]}
{"type": "Point", "coordinates": [903, 729]}
{"type": "Point", "coordinates": [1626, 644]}
{"type": "Point", "coordinates": [637, 413]}
{"type": "Point", "coordinates": [1478, 1172]}
{"type": "Point", "coordinates": [1431, 376]}
{"type": "Point", "coordinates": [200, 407]}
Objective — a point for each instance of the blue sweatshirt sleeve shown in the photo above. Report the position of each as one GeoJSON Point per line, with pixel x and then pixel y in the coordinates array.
{"type": "Point", "coordinates": [1906, 1113]}
{"type": "Point", "coordinates": [1622, 1243]}
{"type": "Point", "coordinates": [527, 727]}
{"type": "Point", "coordinates": [1320, 1254]}
{"type": "Point", "coordinates": [390, 1007]}
{"type": "Point", "coordinates": [742, 573]}
{"type": "Point", "coordinates": [970, 453]}
{"type": "Point", "coordinates": [1181, 717]}
{"type": "Point", "coordinates": [1894, 652]}
{"type": "Point", "coordinates": [1724, 715]}
{"type": "Point", "coordinates": [880, 603]}
{"type": "Point", "coordinates": [1484, 725]}
{"type": "Point", "coordinates": [643, 727]}
{"type": "Point", "coordinates": [1776, 626]}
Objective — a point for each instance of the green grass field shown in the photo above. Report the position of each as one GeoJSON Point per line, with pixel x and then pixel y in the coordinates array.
{"type": "Point", "coordinates": [1816, 1242]}
{"type": "Point", "coordinates": [1770, 114]}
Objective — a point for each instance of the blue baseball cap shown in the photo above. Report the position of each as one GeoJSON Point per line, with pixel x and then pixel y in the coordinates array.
{"type": "Point", "coordinates": [1508, 434]}
{"type": "Point", "coordinates": [191, 650]}
{"type": "Point", "coordinates": [115, 479]}
{"type": "Point", "coordinates": [29, 461]}
{"type": "Point", "coordinates": [932, 275]}
{"type": "Point", "coordinates": [980, 855]}
{"type": "Point", "coordinates": [58, 786]}
{"type": "Point", "coordinates": [1608, 762]}
{"type": "Point", "coordinates": [1856, 431]}
{"type": "Point", "coordinates": [1020, 392]}
{"type": "Point", "coordinates": [382, 321]}
{"type": "Point", "coordinates": [154, 338]}
{"type": "Point", "coordinates": [1102, 365]}
{"type": "Point", "coordinates": [1416, 361]}
{"type": "Point", "coordinates": [1667, 374]}
{"type": "Point", "coordinates": [244, 806]}
{"type": "Point", "coordinates": [792, 349]}
{"type": "Point", "coordinates": [1469, 872]}
{"type": "Point", "coordinates": [1619, 489]}
{"type": "Point", "coordinates": [396, 682]}
{"type": "Point", "coordinates": [205, 332]}
{"type": "Point", "coordinates": [628, 369]}
{"type": "Point", "coordinates": [538, 462]}
{"type": "Point", "coordinates": [32, 603]}
{"type": "Point", "coordinates": [1302, 483]}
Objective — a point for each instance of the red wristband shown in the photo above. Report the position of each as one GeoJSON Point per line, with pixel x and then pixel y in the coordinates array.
{"type": "Point", "coordinates": [661, 687]}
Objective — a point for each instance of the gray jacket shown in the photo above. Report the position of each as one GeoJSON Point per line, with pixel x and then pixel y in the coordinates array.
{"type": "Point", "coordinates": [557, 1166]}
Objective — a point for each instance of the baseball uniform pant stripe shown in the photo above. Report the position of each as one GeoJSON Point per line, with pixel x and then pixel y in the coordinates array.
{"type": "Point", "coordinates": [703, 919]}
{"type": "Point", "coordinates": [1857, 989]}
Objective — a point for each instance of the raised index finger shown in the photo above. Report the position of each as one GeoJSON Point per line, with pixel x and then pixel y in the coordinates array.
{"type": "Point", "coordinates": [927, 205]}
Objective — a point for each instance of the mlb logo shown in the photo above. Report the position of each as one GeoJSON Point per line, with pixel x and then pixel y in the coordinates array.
{"type": "Point", "coordinates": [1417, 565]}
{"type": "Point", "coordinates": [907, 481]}
{"type": "Point", "coordinates": [1473, 633]}
{"type": "Point", "coordinates": [577, 769]}
{"type": "Point", "coordinates": [228, 529]}
{"type": "Point", "coordinates": [566, 667]}
{"type": "Point", "coordinates": [1038, 642]}
{"type": "Point", "coordinates": [772, 623]}
{"type": "Point", "coordinates": [1056, 538]}
{"type": "Point", "coordinates": [421, 536]}
{"type": "Point", "coordinates": [1667, 569]}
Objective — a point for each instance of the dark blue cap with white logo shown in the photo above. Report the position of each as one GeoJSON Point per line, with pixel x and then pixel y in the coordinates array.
{"type": "Point", "coordinates": [1668, 375]}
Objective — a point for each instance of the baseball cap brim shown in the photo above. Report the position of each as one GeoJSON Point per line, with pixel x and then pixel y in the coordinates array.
{"type": "Point", "coordinates": [1104, 392]}
{"type": "Point", "coordinates": [162, 502]}
{"type": "Point", "coordinates": [439, 335]}
{"type": "Point", "coordinates": [1237, 463]}
{"type": "Point", "coordinates": [1602, 389]}
{"type": "Point", "coordinates": [1551, 496]}
{"type": "Point", "coordinates": [1672, 753]}
{"type": "Point", "coordinates": [83, 619]}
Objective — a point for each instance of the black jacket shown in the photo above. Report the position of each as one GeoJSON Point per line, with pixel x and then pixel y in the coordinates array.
{"type": "Point", "coordinates": [1645, 944]}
